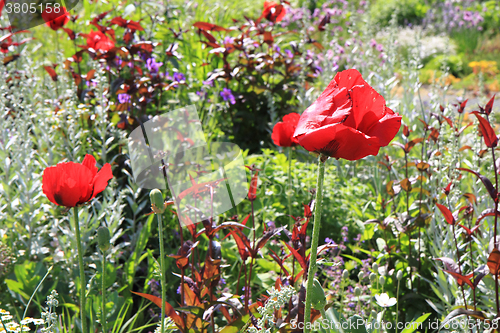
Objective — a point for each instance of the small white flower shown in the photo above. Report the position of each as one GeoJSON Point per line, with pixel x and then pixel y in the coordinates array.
{"type": "Point", "coordinates": [384, 301]}
{"type": "Point", "coordinates": [269, 192]}
{"type": "Point", "coordinates": [7, 318]}
{"type": "Point", "coordinates": [26, 321]}
{"type": "Point", "coordinates": [38, 321]}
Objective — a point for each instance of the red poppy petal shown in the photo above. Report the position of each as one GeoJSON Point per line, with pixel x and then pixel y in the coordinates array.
{"type": "Point", "coordinates": [386, 128]}
{"type": "Point", "coordinates": [350, 78]}
{"type": "Point", "coordinates": [292, 118]}
{"type": "Point", "coordinates": [368, 107]}
{"type": "Point", "coordinates": [282, 134]}
{"type": "Point", "coordinates": [340, 141]}
{"type": "Point", "coordinates": [89, 162]}
{"type": "Point", "coordinates": [66, 184]}
{"type": "Point", "coordinates": [331, 107]}
{"type": "Point", "coordinates": [50, 181]}
{"type": "Point", "coordinates": [101, 179]}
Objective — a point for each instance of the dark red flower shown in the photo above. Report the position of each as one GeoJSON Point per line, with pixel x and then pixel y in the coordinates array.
{"type": "Point", "coordinates": [273, 11]}
{"type": "Point", "coordinates": [283, 131]}
{"type": "Point", "coordinates": [72, 184]}
{"type": "Point", "coordinates": [56, 18]}
{"type": "Point", "coordinates": [349, 120]}
{"type": "Point", "coordinates": [99, 41]}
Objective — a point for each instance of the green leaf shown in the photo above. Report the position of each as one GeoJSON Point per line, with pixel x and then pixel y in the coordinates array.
{"type": "Point", "coordinates": [416, 324]}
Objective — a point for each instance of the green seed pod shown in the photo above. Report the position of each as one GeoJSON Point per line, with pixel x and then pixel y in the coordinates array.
{"type": "Point", "coordinates": [318, 298]}
{"type": "Point", "coordinates": [357, 291]}
{"type": "Point", "coordinates": [375, 267]}
{"type": "Point", "coordinates": [361, 275]}
{"type": "Point", "coordinates": [345, 274]}
{"type": "Point", "coordinates": [103, 238]}
{"type": "Point", "coordinates": [157, 202]}
{"type": "Point", "coordinates": [381, 280]}
{"type": "Point", "coordinates": [373, 278]}
{"type": "Point", "coordinates": [399, 275]}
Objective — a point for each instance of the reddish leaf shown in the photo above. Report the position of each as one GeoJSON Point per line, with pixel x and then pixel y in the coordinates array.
{"type": "Point", "coordinates": [489, 136]}
{"type": "Point", "coordinates": [485, 213]}
{"type": "Point", "coordinates": [208, 36]}
{"type": "Point", "coordinates": [450, 264]}
{"type": "Point", "coordinates": [450, 219]}
{"type": "Point", "coordinates": [489, 107]}
{"type": "Point", "coordinates": [300, 259]}
{"type": "Point", "coordinates": [462, 106]}
{"type": "Point", "coordinates": [208, 26]}
{"type": "Point", "coordinates": [169, 310]}
{"type": "Point", "coordinates": [52, 72]}
{"type": "Point", "coordinates": [252, 192]}
{"type": "Point", "coordinates": [268, 37]}
{"type": "Point", "coordinates": [70, 33]}
{"type": "Point", "coordinates": [447, 189]}
{"type": "Point", "coordinates": [461, 280]}
{"type": "Point", "coordinates": [494, 261]}
{"type": "Point", "coordinates": [487, 183]}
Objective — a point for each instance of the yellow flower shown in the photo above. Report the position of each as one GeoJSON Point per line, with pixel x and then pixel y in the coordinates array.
{"type": "Point", "coordinates": [3, 312]}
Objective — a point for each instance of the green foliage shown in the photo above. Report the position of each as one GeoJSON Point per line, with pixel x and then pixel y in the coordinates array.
{"type": "Point", "coordinates": [406, 11]}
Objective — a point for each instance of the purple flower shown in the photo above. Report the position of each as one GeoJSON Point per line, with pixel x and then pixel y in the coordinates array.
{"type": "Point", "coordinates": [124, 98]}
{"type": "Point", "coordinates": [179, 77]}
{"type": "Point", "coordinates": [209, 83]}
{"type": "Point", "coordinates": [289, 53]}
{"type": "Point", "coordinates": [373, 43]}
{"type": "Point", "coordinates": [271, 224]}
{"type": "Point", "coordinates": [222, 281]}
{"type": "Point", "coordinates": [179, 290]}
{"type": "Point", "coordinates": [380, 47]}
{"type": "Point", "coordinates": [153, 66]}
{"type": "Point", "coordinates": [227, 95]}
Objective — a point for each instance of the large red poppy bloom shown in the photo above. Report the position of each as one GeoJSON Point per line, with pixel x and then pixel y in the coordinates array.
{"type": "Point", "coordinates": [349, 120]}
{"type": "Point", "coordinates": [273, 11]}
{"type": "Point", "coordinates": [283, 131]}
{"type": "Point", "coordinates": [56, 19]}
{"type": "Point", "coordinates": [72, 184]}
{"type": "Point", "coordinates": [99, 41]}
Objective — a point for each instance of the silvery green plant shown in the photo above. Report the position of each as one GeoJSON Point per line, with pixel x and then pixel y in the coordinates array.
{"type": "Point", "coordinates": [277, 299]}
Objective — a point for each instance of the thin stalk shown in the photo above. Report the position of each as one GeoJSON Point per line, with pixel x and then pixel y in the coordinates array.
{"type": "Point", "coordinates": [314, 242]}
{"type": "Point", "coordinates": [83, 312]}
{"type": "Point", "coordinates": [397, 306]}
{"type": "Point", "coordinates": [162, 269]}
{"type": "Point", "coordinates": [496, 220]}
{"type": "Point", "coordinates": [289, 194]}
{"type": "Point", "coordinates": [103, 292]}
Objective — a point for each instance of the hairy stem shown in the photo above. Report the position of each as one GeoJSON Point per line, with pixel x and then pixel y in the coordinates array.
{"type": "Point", "coordinates": [314, 242]}
{"type": "Point", "coordinates": [83, 312]}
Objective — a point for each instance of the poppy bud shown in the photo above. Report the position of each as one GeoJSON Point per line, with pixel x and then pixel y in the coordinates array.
{"type": "Point", "coordinates": [361, 275]}
{"type": "Point", "coordinates": [375, 267]}
{"type": "Point", "coordinates": [103, 238]}
{"type": "Point", "coordinates": [381, 280]}
{"type": "Point", "coordinates": [373, 278]}
{"type": "Point", "coordinates": [157, 202]}
{"type": "Point", "coordinates": [374, 314]}
{"type": "Point", "coordinates": [357, 291]}
{"type": "Point", "coordinates": [318, 297]}
{"type": "Point", "coordinates": [345, 274]}
{"type": "Point", "coordinates": [399, 275]}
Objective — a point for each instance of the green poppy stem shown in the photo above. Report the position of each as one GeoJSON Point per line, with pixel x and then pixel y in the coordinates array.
{"type": "Point", "coordinates": [289, 194]}
{"type": "Point", "coordinates": [103, 292]}
{"type": "Point", "coordinates": [314, 242]}
{"type": "Point", "coordinates": [83, 312]}
{"type": "Point", "coordinates": [162, 268]}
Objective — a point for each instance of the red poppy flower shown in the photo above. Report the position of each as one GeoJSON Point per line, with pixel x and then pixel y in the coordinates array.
{"type": "Point", "coordinates": [283, 131]}
{"type": "Point", "coordinates": [72, 184]}
{"type": "Point", "coordinates": [56, 19]}
{"type": "Point", "coordinates": [99, 41]}
{"type": "Point", "coordinates": [273, 11]}
{"type": "Point", "coordinates": [349, 120]}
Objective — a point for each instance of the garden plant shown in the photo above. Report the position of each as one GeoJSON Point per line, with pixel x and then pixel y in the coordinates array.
{"type": "Point", "coordinates": [233, 166]}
